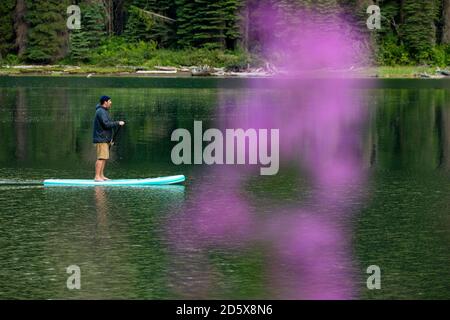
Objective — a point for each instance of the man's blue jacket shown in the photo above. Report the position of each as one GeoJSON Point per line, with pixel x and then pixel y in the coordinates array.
{"type": "Point", "coordinates": [103, 125]}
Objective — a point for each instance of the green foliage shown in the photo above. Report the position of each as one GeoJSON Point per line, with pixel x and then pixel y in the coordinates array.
{"type": "Point", "coordinates": [232, 22]}
{"type": "Point", "coordinates": [10, 59]}
{"type": "Point", "coordinates": [208, 23]}
{"type": "Point", "coordinates": [185, 18]}
{"type": "Point", "coordinates": [231, 60]}
{"type": "Point", "coordinates": [418, 30]}
{"type": "Point", "coordinates": [205, 30]}
{"type": "Point", "coordinates": [390, 53]}
{"type": "Point", "coordinates": [409, 31]}
{"type": "Point", "coordinates": [439, 55]}
{"type": "Point", "coordinates": [79, 46]}
{"type": "Point", "coordinates": [47, 36]}
{"type": "Point", "coordinates": [118, 51]}
{"type": "Point", "coordinates": [326, 9]}
{"type": "Point", "coordinates": [91, 34]}
{"type": "Point", "coordinates": [139, 25]}
{"type": "Point", "coordinates": [6, 26]}
{"type": "Point", "coordinates": [93, 24]}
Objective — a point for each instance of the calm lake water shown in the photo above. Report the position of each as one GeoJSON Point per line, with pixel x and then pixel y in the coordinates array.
{"type": "Point", "coordinates": [220, 235]}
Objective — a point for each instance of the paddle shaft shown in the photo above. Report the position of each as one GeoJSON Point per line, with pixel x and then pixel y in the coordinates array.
{"type": "Point", "coordinates": [113, 139]}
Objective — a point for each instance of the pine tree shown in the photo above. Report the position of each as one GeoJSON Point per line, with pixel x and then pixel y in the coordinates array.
{"type": "Point", "coordinates": [139, 25]}
{"type": "Point", "coordinates": [185, 22]}
{"type": "Point", "coordinates": [79, 46]}
{"type": "Point", "coordinates": [232, 22]}
{"type": "Point", "coordinates": [326, 7]}
{"type": "Point", "coordinates": [419, 30]}
{"type": "Point", "coordinates": [143, 24]}
{"type": "Point", "coordinates": [93, 23]}
{"type": "Point", "coordinates": [294, 16]}
{"type": "Point", "coordinates": [47, 36]}
{"type": "Point", "coordinates": [164, 31]}
{"type": "Point", "coordinates": [208, 23]}
{"type": "Point", "coordinates": [91, 34]}
{"type": "Point", "coordinates": [6, 26]}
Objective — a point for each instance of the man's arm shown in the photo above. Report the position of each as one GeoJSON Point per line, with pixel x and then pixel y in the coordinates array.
{"type": "Point", "coordinates": [106, 121]}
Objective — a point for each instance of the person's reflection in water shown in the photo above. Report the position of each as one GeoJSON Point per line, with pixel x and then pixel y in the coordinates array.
{"type": "Point", "coordinates": [101, 205]}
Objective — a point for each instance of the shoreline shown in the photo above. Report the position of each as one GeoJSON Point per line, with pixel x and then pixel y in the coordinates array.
{"type": "Point", "coordinates": [399, 72]}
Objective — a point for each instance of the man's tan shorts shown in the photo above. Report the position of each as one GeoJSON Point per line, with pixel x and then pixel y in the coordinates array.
{"type": "Point", "coordinates": [102, 151]}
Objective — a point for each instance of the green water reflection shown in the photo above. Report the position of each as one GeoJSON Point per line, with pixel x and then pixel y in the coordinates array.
{"type": "Point", "coordinates": [118, 237]}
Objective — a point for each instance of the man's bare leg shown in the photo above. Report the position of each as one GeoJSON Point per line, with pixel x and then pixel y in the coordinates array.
{"type": "Point", "coordinates": [102, 175]}
{"type": "Point", "coordinates": [99, 166]}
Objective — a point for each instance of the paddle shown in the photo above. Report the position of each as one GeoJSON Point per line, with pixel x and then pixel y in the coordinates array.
{"type": "Point", "coordinates": [113, 139]}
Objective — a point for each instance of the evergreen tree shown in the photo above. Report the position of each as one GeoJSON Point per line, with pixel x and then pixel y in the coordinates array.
{"type": "Point", "coordinates": [79, 46]}
{"type": "Point", "coordinates": [47, 35]}
{"type": "Point", "coordinates": [208, 23]}
{"type": "Point", "coordinates": [143, 24]}
{"type": "Point", "coordinates": [92, 32]}
{"type": "Point", "coordinates": [294, 16]}
{"type": "Point", "coordinates": [419, 30]}
{"type": "Point", "coordinates": [185, 22]}
{"type": "Point", "coordinates": [139, 25]}
{"type": "Point", "coordinates": [93, 24]}
{"type": "Point", "coordinates": [232, 22]}
{"type": "Point", "coordinates": [164, 31]}
{"type": "Point", "coordinates": [6, 27]}
{"type": "Point", "coordinates": [36, 30]}
{"type": "Point", "coordinates": [326, 8]}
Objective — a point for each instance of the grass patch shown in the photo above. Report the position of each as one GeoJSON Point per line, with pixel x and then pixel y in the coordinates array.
{"type": "Point", "coordinates": [404, 71]}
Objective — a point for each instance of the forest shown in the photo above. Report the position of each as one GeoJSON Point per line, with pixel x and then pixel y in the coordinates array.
{"type": "Point", "coordinates": [216, 32]}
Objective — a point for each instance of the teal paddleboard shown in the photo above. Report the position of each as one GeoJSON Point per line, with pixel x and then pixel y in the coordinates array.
{"type": "Point", "coordinates": [116, 183]}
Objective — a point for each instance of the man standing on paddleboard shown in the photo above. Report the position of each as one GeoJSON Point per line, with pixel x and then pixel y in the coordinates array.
{"type": "Point", "coordinates": [103, 135]}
